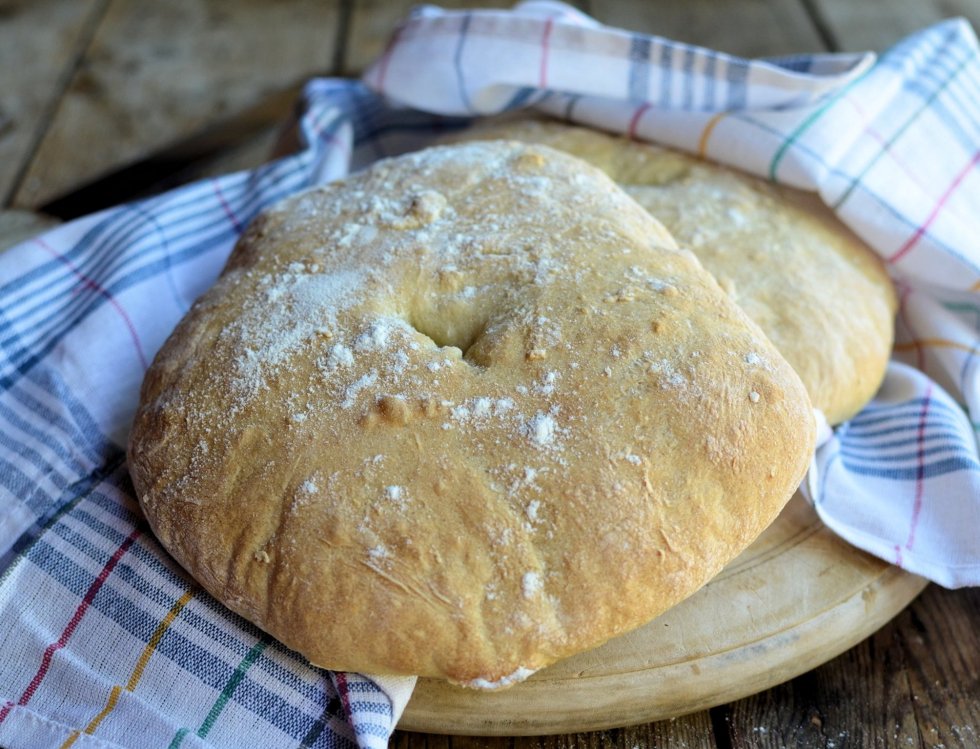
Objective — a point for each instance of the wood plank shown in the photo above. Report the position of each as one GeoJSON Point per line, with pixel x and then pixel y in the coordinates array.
{"type": "Point", "coordinates": [373, 21]}
{"type": "Point", "coordinates": [249, 138]}
{"type": "Point", "coordinates": [16, 226]}
{"type": "Point", "coordinates": [878, 24]}
{"type": "Point", "coordinates": [750, 28]}
{"type": "Point", "coordinates": [251, 152]}
{"type": "Point", "coordinates": [916, 682]}
{"type": "Point", "coordinates": [941, 644]}
{"type": "Point", "coordinates": [405, 740]}
{"type": "Point", "coordinates": [688, 732]}
{"type": "Point", "coordinates": [39, 44]}
{"type": "Point", "coordinates": [482, 742]}
{"type": "Point", "coordinates": [860, 698]}
{"type": "Point", "coordinates": [160, 72]}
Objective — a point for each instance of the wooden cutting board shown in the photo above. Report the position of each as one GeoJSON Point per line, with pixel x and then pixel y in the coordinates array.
{"type": "Point", "coordinates": [795, 599]}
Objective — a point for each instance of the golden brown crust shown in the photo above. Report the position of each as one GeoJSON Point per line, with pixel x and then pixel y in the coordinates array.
{"type": "Point", "coordinates": [819, 293]}
{"type": "Point", "coordinates": [461, 415]}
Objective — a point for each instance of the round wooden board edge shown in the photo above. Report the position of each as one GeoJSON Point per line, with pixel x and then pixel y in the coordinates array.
{"type": "Point", "coordinates": [543, 707]}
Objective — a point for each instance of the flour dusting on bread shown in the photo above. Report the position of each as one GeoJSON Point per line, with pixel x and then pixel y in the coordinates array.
{"type": "Point", "coordinates": [461, 415]}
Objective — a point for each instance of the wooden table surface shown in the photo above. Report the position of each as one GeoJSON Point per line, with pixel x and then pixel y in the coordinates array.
{"type": "Point", "coordinates": [102, 100]}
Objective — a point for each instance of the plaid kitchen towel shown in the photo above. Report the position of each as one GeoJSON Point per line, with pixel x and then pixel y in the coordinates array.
{"type": "Point", "coordinates": [105, 642]}
{"type": "Point", "coordinates": [891, 144]}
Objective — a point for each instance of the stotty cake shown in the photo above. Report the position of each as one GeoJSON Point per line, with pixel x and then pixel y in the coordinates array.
{"type": "Point", "coordinates": [463, 414]}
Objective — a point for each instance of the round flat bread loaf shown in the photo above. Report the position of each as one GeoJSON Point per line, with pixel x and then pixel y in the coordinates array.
{"type": "Point", "coordinates": [461, 415]}
{"type": "Point", "coordinates": [820, 294]}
